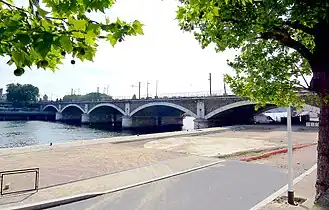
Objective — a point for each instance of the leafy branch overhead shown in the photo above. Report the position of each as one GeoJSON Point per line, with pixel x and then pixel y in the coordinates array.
{"type": "Point", "coordinates": [280, 42]}
{"type": "Point", "coordinates": [43, 36]}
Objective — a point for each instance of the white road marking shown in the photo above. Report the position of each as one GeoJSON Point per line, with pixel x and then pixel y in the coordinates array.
{"type": "Point", "coordinates": [282, 190]}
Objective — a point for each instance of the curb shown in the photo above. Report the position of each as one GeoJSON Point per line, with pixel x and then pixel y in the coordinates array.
{"type": "Point", "coordinates": [71, 199]}
{"type": "Point", "coordinates": [249, 151]}
{"type": "Point", "coordinates": [197, 132]}
{"type": "Point", "coordinates": [275, 152]}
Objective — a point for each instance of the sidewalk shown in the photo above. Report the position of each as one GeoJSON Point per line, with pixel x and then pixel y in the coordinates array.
{"type": "Point", "coordinates": [107, 183]}
{"type": "Point", "coordinates": [303, 189]}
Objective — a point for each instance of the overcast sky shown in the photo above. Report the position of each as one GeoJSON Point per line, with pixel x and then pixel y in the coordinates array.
{"type": "Point", "coordinates": [164, 53]}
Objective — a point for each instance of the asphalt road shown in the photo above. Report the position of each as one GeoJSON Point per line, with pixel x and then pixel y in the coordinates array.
{"type": "Point", "coordinates": [230, 185]}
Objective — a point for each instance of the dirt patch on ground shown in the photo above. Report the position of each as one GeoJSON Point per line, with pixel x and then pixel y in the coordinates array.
{"type": "Point", "coordinates": [63, 165]}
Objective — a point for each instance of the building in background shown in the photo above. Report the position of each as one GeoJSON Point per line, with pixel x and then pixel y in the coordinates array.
{"type": "Point", "coordinates": [2, 95]}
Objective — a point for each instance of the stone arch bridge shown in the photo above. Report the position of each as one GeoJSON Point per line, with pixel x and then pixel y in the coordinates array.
{"type": "Point", "coordinates": [207, 111]}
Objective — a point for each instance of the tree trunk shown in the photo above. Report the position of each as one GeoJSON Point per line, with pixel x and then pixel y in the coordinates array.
{"type": "Point", "coordinates": [322, 182]}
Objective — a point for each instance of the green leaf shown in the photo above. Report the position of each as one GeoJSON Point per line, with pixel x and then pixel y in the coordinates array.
{"type": "Point", "coordinates": [42, 12]}
{"type": "Point", "coordinates": [95, 28]}
{"type": "Point", "coordinates": [215, 11]}
{"type": "Point", "coordinates": [23, 39]}
{"type": "Point", "coordinates": [43, 49]}
{"type": "Point", "coordinates": [112, 39]}
{"type": "Point", "coordinates": [43, 46]}
{"type": "Point", "coordinates": [138, 27]}
{"type": "Point", "coordinates": [80, 24]}
{"type": "Point", "coordinates": [46, 24]}
{"type": "Point", "coordinates": [66, 43]}
{"type": "Point", "coordinates": [18, 58]}
{"type": "Point", "coordinates": [78, 35]}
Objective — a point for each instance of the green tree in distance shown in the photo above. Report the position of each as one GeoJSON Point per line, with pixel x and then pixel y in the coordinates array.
{"type": "Point", "coordinates": [22, 95]}
{"type": "Point", "coordinates": [279, 42]}
{"type": "Point", "coordinates": [94, 96]}
{"type": "Point", "coordinates": [43, 33]}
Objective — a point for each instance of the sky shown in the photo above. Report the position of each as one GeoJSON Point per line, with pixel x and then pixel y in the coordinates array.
{"type": "Point", "coordinates": [163, 53]}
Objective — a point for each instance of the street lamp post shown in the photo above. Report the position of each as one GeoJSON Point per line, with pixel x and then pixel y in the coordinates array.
{"type": "Point", "coordinates": [224, 85]}
{"type": "Point", "coordinates": [209, 83]}
{"type": "Point", "coordinates": [139, 89]}
{"type": "Point", "coordinates": [147, 89]}
{"type": "Point", "coordinates": [156, 88]}
{"type": "Point", "coordinates": [290, 172]}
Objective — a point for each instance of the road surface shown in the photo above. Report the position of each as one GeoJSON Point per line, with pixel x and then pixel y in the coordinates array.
{"type": "Point", "coordinates": [229, 185]}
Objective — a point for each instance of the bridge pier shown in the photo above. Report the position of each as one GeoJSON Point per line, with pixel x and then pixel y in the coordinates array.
{"type": "Point", "coordinates": [200, 123]}
{"type": "Point", "coordinates": [127, 122]}
{"type": "Point", "coordinates": [59, 116]}
{"type": "Point", "coordinates": [85, 119]}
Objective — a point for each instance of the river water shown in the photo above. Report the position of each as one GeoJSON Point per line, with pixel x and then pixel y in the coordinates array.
{"type": "Point", "coordinates": [25, 133]}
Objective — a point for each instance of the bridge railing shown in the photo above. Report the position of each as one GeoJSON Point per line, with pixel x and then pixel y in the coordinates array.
{"type": "Point", "coordinates": [179, 95]}
{"type": "Point", "coordinates": [166, 96]}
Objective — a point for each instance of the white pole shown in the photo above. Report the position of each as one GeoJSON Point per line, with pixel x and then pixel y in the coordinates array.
{"type": "Point", "coordinates": [290, 171]}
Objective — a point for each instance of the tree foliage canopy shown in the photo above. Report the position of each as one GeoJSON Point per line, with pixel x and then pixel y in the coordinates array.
{"type": "Point", "coordinates": [279, 43]}
{"type": "Point", "coordinates": [45, 32]}
{"type": "Point", "coordinates": [94, 96]}
{"type": "Point", "coordinates": [22, 94]}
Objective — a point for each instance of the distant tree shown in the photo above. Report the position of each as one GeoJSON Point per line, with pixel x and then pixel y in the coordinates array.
{"type": "Point", "coordinates": [72, 97]}
{"type": "Point", "coordinates": [94, 96]}
{"type": "Point", "coordinates": [45, 97]}
{"type": "Point", "coordinates": [134, 97]}
{"type": "Point", "coordinates": [21, 95]}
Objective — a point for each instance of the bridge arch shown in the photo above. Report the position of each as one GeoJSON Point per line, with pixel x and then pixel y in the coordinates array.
{"type": "Point", "coordinates": [72, 105]}
{"type": "Point", "coordinates": [107, 105]}
{"type": "Point", "coordinates": [183, 109]}
{"type": "Point", "coordinates": [227, 107]}
{"type": "Point", "coordinates": [50, 105]}
{"type": "Point", "coordinates": [246, 103]}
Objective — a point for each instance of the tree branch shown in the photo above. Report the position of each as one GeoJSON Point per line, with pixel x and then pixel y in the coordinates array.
{"type": "Point", "coordinates": [308, 85]}
{"type": "Point", "coordinates": [11, 6]}
{"type": "Point", "coordinates": [284, 38]}
{"type": "Point", "coordinates": [303, 87]}
{"type": "Point", "coordinates": [299, 26]}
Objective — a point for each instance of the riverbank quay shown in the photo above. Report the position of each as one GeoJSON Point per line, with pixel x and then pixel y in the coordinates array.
{"type": "Point", "coordinates": [26, 115]}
